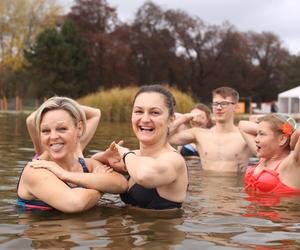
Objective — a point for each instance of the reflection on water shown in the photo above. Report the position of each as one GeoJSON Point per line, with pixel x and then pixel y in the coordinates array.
{"type": "Point", "coordinates": [216, 215]}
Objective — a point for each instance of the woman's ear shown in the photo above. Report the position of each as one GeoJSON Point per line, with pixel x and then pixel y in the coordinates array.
{"type": "Point", "coordinates": [172, 119]}
{"type": "Point", "coordinates": [283, 140]}
{"type": "Point", "coordinates": [80, 129]}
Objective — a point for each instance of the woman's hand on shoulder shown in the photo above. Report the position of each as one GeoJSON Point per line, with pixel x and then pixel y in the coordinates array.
{"type": "Point", "coordinates": [49, 165]}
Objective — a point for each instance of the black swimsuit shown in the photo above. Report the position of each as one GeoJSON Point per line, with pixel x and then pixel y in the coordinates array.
{"type": "Point", "coordinates": [149, 198]}
{"type": "Point", "coordinates": [38, 204]}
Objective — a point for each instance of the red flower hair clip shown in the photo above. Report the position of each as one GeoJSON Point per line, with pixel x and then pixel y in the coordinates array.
{"type": "Point", "coordinates": [286, 129]}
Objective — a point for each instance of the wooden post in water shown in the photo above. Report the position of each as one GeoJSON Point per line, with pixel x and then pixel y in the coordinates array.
{"type": "Point", "coordinates": [17, 103]}
{"type": "Point", "coordinates": [20, 103]}
{"type": "Point", "coordinates": [5, 105]}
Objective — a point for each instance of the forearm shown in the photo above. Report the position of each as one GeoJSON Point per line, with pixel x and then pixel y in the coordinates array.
{"type": "Point", "coordinates": [79, 200]}
{"type": "Point", "coordinates": [294, 139]}
{"type": "Point", "coordinates": [101, 157]}
{"type": "Point", "coordinates": [56, 193]}
{"type": "Point", "coordinates": [248, 127]}
{"type": "Point", "coordinates": [103, 182]}
{"type": "Point", "coordinates": [90, 199]}
{"type": "Point", "coordinates": [91, 112]}
{"type": "Point", "coordinates": [180, 120]}
{"type": "Point", "coordinates": [92, 120]}
{"type": "Point", "coordinates": [295, 145]}
{"type": "Point", "coordinates": [249, 132]}
{"type": "Point", "coordinates": [32, 130]}
{"type": "Point", "coordinates": [179, 139]}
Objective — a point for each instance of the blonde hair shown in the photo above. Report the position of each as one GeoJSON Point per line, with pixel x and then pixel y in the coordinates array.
{"type": "Point", "coordinates": [277, 121]}
{"type": "Point", "coordinates": [61, 103]}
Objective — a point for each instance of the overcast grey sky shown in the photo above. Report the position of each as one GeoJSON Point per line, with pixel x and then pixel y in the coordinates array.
{"type": "Point", "coordinates": [279, 16]}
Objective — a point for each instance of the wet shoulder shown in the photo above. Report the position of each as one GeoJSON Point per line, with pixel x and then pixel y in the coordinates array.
{"type": "Point", "coordinates": [33, 176]}
{"type": "Point", "coordinates": [172, 157]}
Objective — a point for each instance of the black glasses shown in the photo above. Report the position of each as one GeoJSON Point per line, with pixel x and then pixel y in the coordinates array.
{"type": "Point", "coordinates": [223, 104]}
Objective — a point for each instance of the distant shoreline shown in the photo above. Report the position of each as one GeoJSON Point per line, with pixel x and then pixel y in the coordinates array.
{"type": "Point", "coordinates": [244, 116]}
{"type": "Point", "coordinates": [15, 112]}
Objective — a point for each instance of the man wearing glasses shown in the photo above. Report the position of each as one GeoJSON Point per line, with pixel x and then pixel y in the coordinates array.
{"type": "Point", "coordinates": [222, 147]}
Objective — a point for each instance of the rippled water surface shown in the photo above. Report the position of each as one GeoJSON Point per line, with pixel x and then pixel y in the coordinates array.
{"type": "Point", "coordinates": [216, 215]}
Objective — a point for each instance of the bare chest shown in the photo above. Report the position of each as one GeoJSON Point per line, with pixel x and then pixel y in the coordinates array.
{"type": "Point", "coordinates": [227, 147]}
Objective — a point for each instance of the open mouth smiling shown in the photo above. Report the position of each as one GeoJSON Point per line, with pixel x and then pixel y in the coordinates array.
{"type": "Point", "coordinates": [56, 146]}
{"type": "Point", "coordinates": [146, 129]}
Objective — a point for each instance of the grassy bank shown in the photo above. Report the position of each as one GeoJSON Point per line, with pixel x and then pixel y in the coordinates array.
{"type": "Point", "coordinates": [116, 103]}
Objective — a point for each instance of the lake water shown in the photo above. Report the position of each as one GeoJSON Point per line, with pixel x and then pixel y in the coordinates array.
{"type": "Point", "coordinates": [217, 214]}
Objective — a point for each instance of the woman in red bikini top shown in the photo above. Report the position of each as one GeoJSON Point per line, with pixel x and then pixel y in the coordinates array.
{"type": "Point", "coordinates": [271, 139]}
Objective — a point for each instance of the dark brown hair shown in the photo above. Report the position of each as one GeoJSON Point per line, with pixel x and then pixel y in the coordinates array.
{"type": "Point", "coordinates": [226, 92]}
{"type": "Point", "coordinates": [155, 88]}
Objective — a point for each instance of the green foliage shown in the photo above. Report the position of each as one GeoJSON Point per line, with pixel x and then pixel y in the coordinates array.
{"type": "Point", "coordinates": [20, 22]}
{"type": "Point", "coordinates": [116, 103]}
{"type": "Point", "coordinates": [58, 63]}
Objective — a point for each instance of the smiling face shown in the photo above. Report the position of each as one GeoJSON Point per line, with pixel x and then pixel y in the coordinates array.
{"type": "Point", "coordinates": [201, 120]}
{"type": "Point", "coordinates": [150, 118]}
{"type": "Point", "coordinates": [59, 134]}
{"type": "Point", "coordinates": [223, 108]}
{"type": "Point", "coordinates": [267, 142]}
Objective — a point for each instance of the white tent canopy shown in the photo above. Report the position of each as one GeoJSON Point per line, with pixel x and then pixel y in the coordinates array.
{"type": "Point", "coordinates": [289, 101]}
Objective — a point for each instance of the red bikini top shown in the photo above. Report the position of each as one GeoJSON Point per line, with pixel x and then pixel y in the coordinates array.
{"type": "Point", "coordinates": [266, 180]}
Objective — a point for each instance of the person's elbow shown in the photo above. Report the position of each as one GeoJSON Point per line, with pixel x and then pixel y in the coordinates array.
{"type": "Point", "coordinates": [244, 125]}
{"type": "Point", "coordinates": [123, 185]}
{"type": "Point", "coordinates": [30, 121]}
{"type": "Point", "coordinates": [172, 140]}
{"type": "Point", "coordinates": [98, 113]}
{"type": "Point", "coordinates": [120, 186]}
{"type": "Point", "coordinates": [80, 202]}
{"type": "Point", "coordinates": [241, 124]}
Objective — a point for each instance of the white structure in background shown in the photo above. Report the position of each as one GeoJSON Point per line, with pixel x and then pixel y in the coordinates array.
{"type": "Point", "coordinates": [289, 101]}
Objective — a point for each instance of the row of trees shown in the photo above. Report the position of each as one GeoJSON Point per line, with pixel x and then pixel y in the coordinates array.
{"type": "Point", "coordinates": [89, 49]}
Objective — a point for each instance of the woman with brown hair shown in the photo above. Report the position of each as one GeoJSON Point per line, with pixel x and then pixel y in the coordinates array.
{"type": "Point", "coordinates": [158, 177]}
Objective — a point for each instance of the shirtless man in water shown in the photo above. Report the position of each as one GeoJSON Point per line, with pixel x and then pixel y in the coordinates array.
{"type": "Point", "coordinates": [222, 147]}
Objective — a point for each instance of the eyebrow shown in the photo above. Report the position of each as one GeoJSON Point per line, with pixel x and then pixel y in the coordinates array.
{"type": "Point", "coordinates": [58, 123]}
{"type": "Point", "coordinates": [148, 107]}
